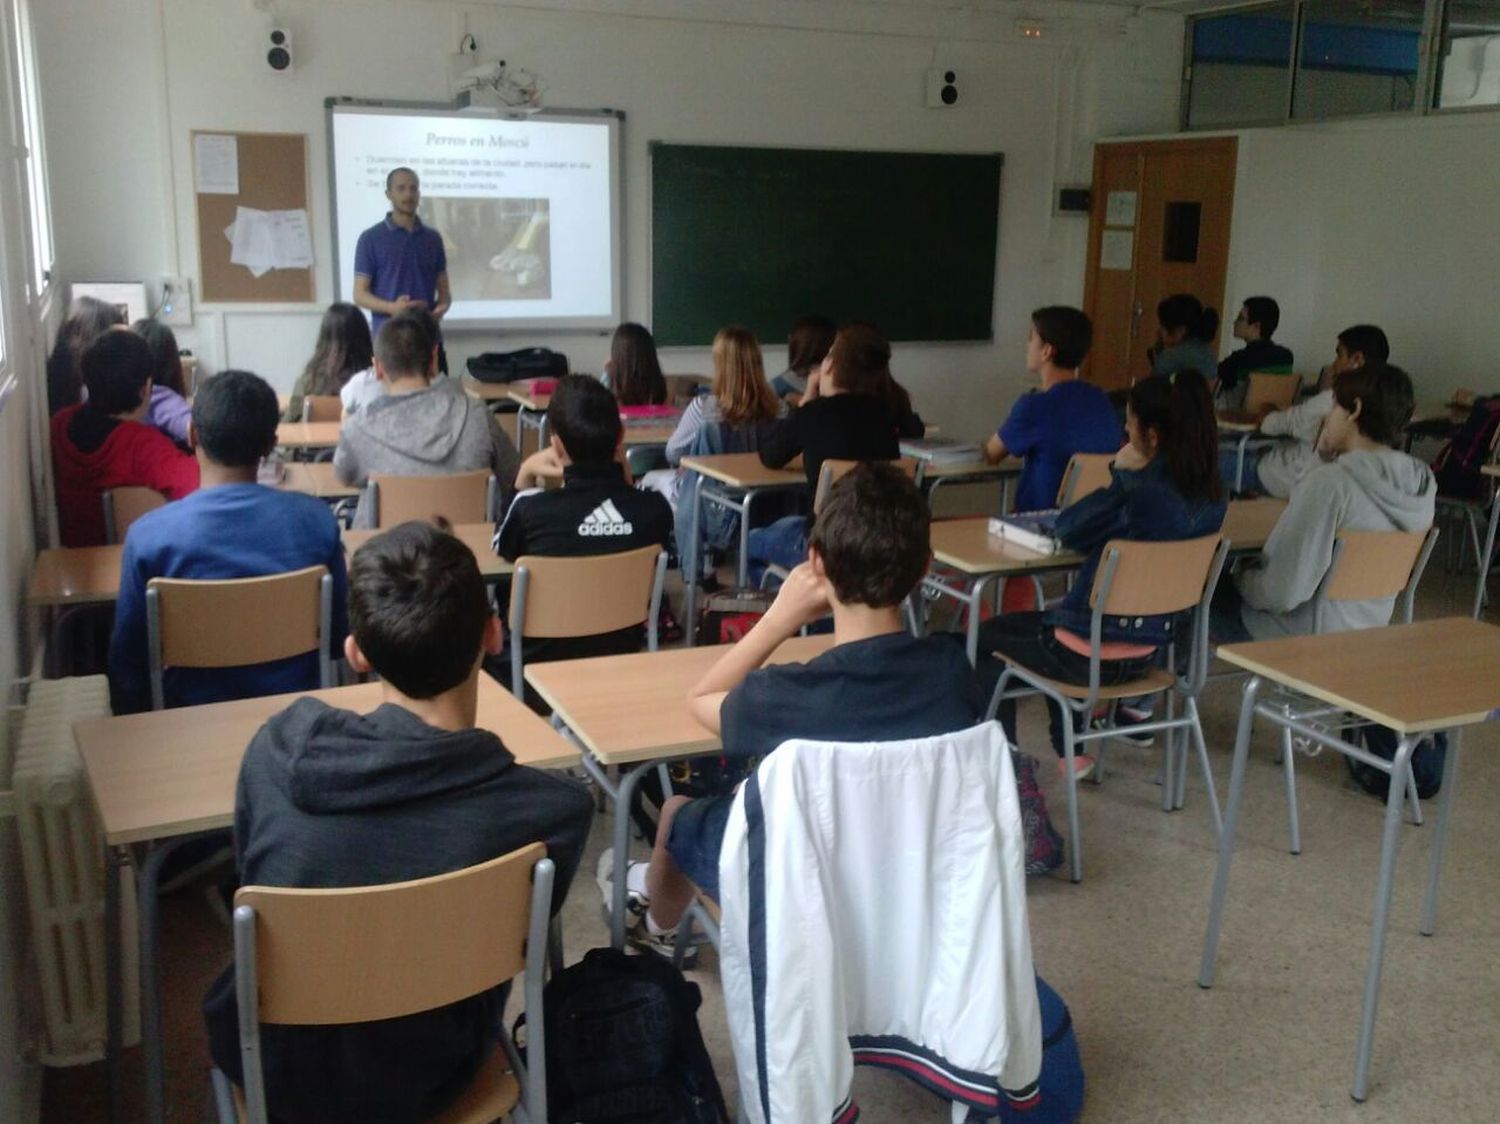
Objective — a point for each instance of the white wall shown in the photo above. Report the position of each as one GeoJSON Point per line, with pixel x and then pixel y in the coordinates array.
{"type": "Point", "coordinates": [829, 73]}
{"type": "Point", "coordinates": [1392, 222]}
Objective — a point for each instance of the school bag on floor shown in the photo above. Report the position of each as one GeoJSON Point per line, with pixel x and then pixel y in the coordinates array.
{"type": "Point", "coordinates": [1044, 847]}
{"type": "Point", "coordinates": [726, 616]}
{"type": "Point", "coordinates": [623, 1044]}
{"type": "Point", "coordinates": [1427, 761]}
{"type": "Point", "coordinates": [1061, 1085]}
{"type": "Point", "coordinates": [1458, 463]}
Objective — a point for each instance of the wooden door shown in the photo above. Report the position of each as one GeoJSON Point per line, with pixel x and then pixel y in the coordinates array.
{"type": "Point", "coordinates": [1159, 225]}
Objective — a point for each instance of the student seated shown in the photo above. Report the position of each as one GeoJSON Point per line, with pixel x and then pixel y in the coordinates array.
{"type": "Point", "coordinates": [1370, 486]}
{"type": "Point", "coordinates": [633, 371]}
{"type": "Point", "coordinates": [232, 527]}
{"type": "Point", "coordinates": [807, 346]}
{"type": "Point", "coordinates": [88, 319]}
{"type": "Point", "coordinates": [330, 798]}
{"type": "Point", "coordinates": [1164, 487]}
{"type": "Point", "coordinates": [596, 511]}
{"type": "Point", "coordinates": [1277, 469]}
{"type": "Point", "coordinates": [1067, 416]}
{"type": "Point", "coordinates": [103, 443]}
{"type": "Point", "coordinates": [869, 549]}
{"type": "Point", "coordinates": [419, 427]}
{"type": "Point", "coordinates": [169, 410]}
{"type": "Point", "coordinates": [1184, 337]}
{"type": "Point", "coordinates": [342, 363]}
{"type": "Point", "coordinates": [852, 410]}
{"type": "Point", "coordinates": [1255, 324]}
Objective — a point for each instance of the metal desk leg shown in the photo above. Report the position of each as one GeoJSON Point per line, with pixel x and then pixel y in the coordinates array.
{"type": "Point", "coordinates": [688, 558]}
{"type": "Point", "coordinates": [1226, 837]}
{"type": "Point", "coordinates": [743, 573]}
{"type": "Point", "coordinates": [1239, 463]}
{"type": "Point", "coordinates": [620, 830]}
{"type": "Point", "coordinates": [114, 984]}
{"type": "Point", "coordinates": [1440, 840]}
{"type": "Point", "coordinates": [976, 597]}
{"type": "Point", "coordinates": [1400, 776]}
{"type": "Point", "coordinates": [1488, 555]}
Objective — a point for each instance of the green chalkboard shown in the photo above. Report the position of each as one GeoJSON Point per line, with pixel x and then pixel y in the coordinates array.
{"type": "Point", "coordinates": [760, 236]}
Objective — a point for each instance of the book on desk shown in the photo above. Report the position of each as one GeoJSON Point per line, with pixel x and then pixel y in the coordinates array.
{"type": "Point", "coordinates": [941, 450]}
{"type": "Point", "coordinates": [1035, 530]}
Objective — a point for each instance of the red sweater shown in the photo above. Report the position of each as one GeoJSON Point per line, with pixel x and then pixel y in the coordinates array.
{"type": "Point", "coordinates": [132, 454]}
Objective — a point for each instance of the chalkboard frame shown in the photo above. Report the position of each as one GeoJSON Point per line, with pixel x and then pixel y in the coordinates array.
{"type": "Point", "coordinates": [909, 315]}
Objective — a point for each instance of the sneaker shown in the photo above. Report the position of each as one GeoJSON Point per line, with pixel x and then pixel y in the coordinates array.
{"type": "Point", "coordinates": [636, 900]}
{"type": "Point", "coordinates": [1126, 717]}
{"type": "Point", "coordinates": [664, 944]}
{"type": "Point", "coordinates": [1083, 767]}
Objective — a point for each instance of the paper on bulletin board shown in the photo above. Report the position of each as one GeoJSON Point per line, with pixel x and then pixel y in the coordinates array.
{"type": "Point", "coordinates": [1115, 249]}
{"type": "Point", "coordinates": [216, 164]}
{"type": "Point", "coordinates": [1119, 208]}
{"type": "Point", "coordinates": [265, 240]}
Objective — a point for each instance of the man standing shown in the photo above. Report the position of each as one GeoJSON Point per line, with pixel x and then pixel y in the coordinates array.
{"type": "Point", "coordinates": [400, 262]}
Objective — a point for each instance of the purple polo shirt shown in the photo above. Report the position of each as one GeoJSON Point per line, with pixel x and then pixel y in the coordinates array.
{"type": "Point", "coordinates": [400, 262]}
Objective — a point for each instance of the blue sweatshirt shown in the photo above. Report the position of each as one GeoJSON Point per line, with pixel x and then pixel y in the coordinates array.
{"type": "Point", "coordinates": [230, 531]}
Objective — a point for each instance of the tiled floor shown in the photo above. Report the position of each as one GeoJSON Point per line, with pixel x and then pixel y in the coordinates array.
{"type": "Point", "coordinates": [1273, 1041]}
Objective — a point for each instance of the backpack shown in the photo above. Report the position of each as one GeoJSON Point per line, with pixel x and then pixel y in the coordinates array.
{"type": "Point", "coordinates": [623, 1044]}
{"type": "Point", "coordinates": [1427, 761]}
{"type": "Point", "coordinates": [1061, 1082]}
{"type": "Point", "coordinates": [726, 616]}
{"type": "Point", "coordinates": [528, 363]}
{"type": "Point", "coordinates": [1458, 463]}
{"type": "Point", "coordinates": [1044, 847]}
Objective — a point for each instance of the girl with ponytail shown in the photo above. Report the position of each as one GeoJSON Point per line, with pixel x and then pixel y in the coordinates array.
{"type": "Point", "coordinates": [1165, 487]}
{"type": "Point", "coordinates": [1184, 337]}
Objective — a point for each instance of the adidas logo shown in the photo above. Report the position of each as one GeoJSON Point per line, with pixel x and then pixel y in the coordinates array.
{"type": "Point", "coordinates": [605, 520]}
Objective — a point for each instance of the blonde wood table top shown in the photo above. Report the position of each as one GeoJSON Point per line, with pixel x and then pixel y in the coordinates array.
{"type": "Point", "coordinates": [744, 470]}
{"type": "Point", "coordinates": [1432, 675]}
{"type": "Point", "coordinates": [628, 709]}
{"type": "Point", "coordinates": [308, 435]}
{"type": "Point", "coordinates": [649, 434]}
{"type": "Point", "coordinates": [170, 772]}
{"type": "Point", "coordinates": [1010, 466]}
{"type": "Point", "coordinates": [485, 391]}
{"type": "Point", "coordinates": [476, 536]}
{"type": "Point", "coordinates": [315, 478]}
{"type": "Point", "coordinates": [527, 398]}
{"type": "Point", "coordinates": [75, 575]}
{"type": "Point", "coordinates": [1237, 421]}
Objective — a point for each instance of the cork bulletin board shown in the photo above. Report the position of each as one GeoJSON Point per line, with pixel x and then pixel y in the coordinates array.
{"type": "Point", "coordinates": [271, 176]}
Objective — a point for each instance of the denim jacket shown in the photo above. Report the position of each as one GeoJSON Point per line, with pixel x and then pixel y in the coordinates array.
{"type": "Point", "coordinates": [1144, 506]}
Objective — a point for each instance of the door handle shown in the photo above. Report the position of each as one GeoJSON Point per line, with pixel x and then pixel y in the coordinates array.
{"type": "Point", "coordinates": [1135, 321]}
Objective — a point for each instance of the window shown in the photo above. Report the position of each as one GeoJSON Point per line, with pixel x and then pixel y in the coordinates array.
{"type": "Point", "coordinates": [1356, 57]}
{"type": "Point", "coordinates": [42, 254]}
{"type": "Point", "coordinates": [1238, 66]}
{"type": "Point", "coordinates": [1469, 55]}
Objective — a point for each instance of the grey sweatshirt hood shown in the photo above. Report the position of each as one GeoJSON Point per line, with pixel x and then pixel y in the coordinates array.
{"type": "Point", "coordinates": [1400, 487]}
{"type": "Point", "coordinates": [425, 426]}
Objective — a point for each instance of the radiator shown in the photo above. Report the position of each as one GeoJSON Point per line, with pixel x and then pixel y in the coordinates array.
{"type": "Point", "coordinates": [62, 857]}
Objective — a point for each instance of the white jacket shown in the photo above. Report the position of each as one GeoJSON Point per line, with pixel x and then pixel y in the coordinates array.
{"type": "Point", "coordinates": [874, 912]}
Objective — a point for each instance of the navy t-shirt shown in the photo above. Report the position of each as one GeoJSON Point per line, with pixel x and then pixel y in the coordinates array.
{"type": "Point", "coordinates": [1046, 428]}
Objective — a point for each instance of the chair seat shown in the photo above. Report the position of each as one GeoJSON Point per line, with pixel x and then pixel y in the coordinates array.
{"type": "Point", "coordinates": [493, 1092]}
{"type": "Point", "coordinates": [1157, 679]}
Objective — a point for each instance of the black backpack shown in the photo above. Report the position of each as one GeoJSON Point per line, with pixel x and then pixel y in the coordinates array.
{"type": "Point", "coordinates": [528, 363]}
{"type": "Point", "coordinates": [1427, 760]}
{"type": "Point", "coordinates": [623, 1045]}
{"type": "Point", "coordinates": [1457, 465]}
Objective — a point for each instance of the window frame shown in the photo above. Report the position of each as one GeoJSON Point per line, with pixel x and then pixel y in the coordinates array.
{"type": "Point", "coordinates": [41, 248]}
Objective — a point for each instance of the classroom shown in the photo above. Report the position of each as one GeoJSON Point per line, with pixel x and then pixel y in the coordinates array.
{"type": "Point", "coordinates": [211, 165]}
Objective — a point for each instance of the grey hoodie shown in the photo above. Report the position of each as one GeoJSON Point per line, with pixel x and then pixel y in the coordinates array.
{"type": "Point", "coordinates": [1283, 466]}
{"type": "Point", "coordinates": [429, 432]}
{"type": "Point", "coordinates": [1379, 490]}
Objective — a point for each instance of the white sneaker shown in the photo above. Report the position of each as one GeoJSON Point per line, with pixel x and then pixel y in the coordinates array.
{"type": "Point", "coordinates": [636, 899]}
{"type": "Point", "coordinates": [664, 944]}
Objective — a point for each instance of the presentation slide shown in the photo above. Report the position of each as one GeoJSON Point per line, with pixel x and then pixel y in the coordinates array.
{"type": "Point", "coordinates": [528, 208]}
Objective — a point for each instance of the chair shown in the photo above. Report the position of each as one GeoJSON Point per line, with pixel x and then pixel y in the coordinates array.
{"type": "Point", "coordinates": [123, 506]}
{"type": "Point", "coordinates": [1086, 473]}
{"type": "Point", "coordinates": [566, 597]}
{"type": "Point", "coordinates": [1137, 579]}
{"type": "Point", "coordinates": [1366, 565]}
{"type": "Point", "coordinates": [641, 459]}
{"type": "Point", "coordinates": [1268, 390]}
{"type": "Point", "coordinates": [329, 957]}
{"type": "Point", "coordinates": [322, 408]}
{"type": "Point", "coordinates": [459, 497]}
{"type": "Point", "coordinates": [254, 620]}
{"type": "Point", "coordinates": [834, 469]}
{"type": "Point", "coordinates": [682, 389]}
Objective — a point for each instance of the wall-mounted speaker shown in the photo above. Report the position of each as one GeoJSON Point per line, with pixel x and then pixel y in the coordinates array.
{"type": "Point", "coordinates": [278, 46]}
{"type": "Point", "coordinates": [942, 88]}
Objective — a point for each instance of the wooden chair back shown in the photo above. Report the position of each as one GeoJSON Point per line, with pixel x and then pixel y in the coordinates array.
{"type": "Point", "coordinates": [1270, 390]}
{"type": "Point", "coordinates": [1143, 579]}
{"type": "Point", "coordinates": [681, 389]}
{"type": "Point", "coordinates": [123, 506]}
{"type": "Point", "coordinates": [833, 469]}
{"type": "Point", "coordinates": [1370, 565]}
{"type": "Point", "coordinates": [237, 622]}
{"type": "Point", "coordinates": [1086, 473]}
{"type": "Point", "coordinates": [460, 497]}
{"type": "Point", "coordinates": [322, 408]}
{"type": "Point", "coordinates": [582, 596]}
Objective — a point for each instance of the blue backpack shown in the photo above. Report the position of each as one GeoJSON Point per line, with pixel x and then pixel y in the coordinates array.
{"type": "Point", "coordinates": [1061, 1082]}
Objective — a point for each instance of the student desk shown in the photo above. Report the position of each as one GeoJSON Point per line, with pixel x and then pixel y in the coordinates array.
{"type": "Point", "coordinates": [932, 476]}
{"type": "Point", "coordinates": [732, 481]}
{"type": "Point", "coordinates": [532, 415]}
{"type": "Point", "coordinates": [1487, 555]}
{"type": "Point", "coordinates": [1414, 678]}
{"type": "Point", "coordinates": [485, 391]}
{"type": "Point", "coordinates": [631, 712]}
{"type": "Point", "coordinates": [75, 575]}
{"type": "Point", "coordinates": [161, 778]}
{"type": "Point", "coordinates": [476, 536]}
{"type": "Point", "coordinates": [983, 559]}
{"type": "Point", "coordinates": [1243, 427]}
{"type": "Point", "coordinates": [315, 478]}
{"type": "Point", "coordinates": [308, 435]}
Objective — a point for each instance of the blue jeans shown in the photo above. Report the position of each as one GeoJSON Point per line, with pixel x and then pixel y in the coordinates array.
{"type": "Point", "coordinates": [1250, 479]}
{"type": "Point", "coordinates": [782, 543]}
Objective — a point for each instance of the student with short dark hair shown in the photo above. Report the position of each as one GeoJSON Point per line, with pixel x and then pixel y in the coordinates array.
{"type": "Point", "coordinates": [342, 363]}
{"type": "Point", "coordinates": [1066, 416]}
{"type": "Point", "coordinates": [232, 527]}
{"type": "Point", "coordinates": [1184, 337]}
{"type": "Point", "coordinates": [331, 798]}
{"type": "Point", "coordinates": [1255, 325]}
{"type": "Point", "coordinates": [88, 319]}
{"type": "Point", "coordinates": [869, 549]}
{"type": "Point", "coordinates": [103, 443]}
{"type": "Point", "coordinates": [422, 425]}
{"type": "Point", "coordinates": [596, 511]}
{"type": "Point", "coordinates": [634, 371]}
{"type": "Point", "coordinates": [807, 346]}
{"type": "Point", "coordinates": [1370, 485]}
{"type": "Point", "coordinates": [1164, 487]}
